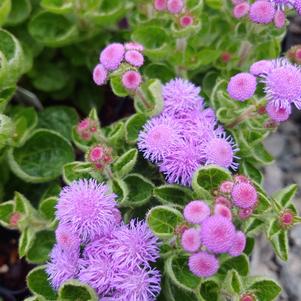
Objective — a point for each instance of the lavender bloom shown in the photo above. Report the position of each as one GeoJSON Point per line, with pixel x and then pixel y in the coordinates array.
{"type": "Point", "coordinates": [283, 84]}
{"type": "Point", "coordinates": [181, 163]}
{"type": "Point", "coordinates": [88, 207]}
{"type": "Point", "coordinates": [181, 95]}
{"type": "Point", "coordinates": [63, 266]}
{"type": "Point", "coordinates": [133, 245]}
{"type": "Point", "coordinates": [97, 271]}
{"type": "Point", "coordinates": [67, 240]}
{"type": "Point", "coordinates": [137, 285]}
{"type": "Point", "coordinates": [158, 136]}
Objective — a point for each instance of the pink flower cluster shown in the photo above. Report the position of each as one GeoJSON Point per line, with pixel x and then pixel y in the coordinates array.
{"type": "Point", "coordinates": [265, 11]}
{"type": "Point", "coordinates": [185, 135]}
{"type": "Point", "coordinates": [86, 129]}
{"type": "Point", "coordinates": [175, 7]}
{"type": "Point", "coordinates": [100, 156]}
{"type": "Point", "coordinates": [94, 246]}
{"type": "Point", "coordinates": [130, 54]}
{"type": "Point", "coordinates": [209, 235]}
{"type": "Point", "coordinates": [212, 231]}
{"type": "Point", "coordinates": [282, 86]}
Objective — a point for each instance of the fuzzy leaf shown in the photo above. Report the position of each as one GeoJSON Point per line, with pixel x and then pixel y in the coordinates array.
{"type": "Point", "coordinates": [6, 210]}
{"type": "Point", "coordinates": [239, 263]}
{"type": "Point", "coordinates": [42, 157]}
{"type": "Point", "coordinates": [76, 170]}
{"type": "Point", "coordinates": [173, 194]}
{"type": "Point", "coordinates": [47, 208]}
{"type": "Point", "coordinates": [280, 245]}
{"type": "Point", "coordinates": [19, 12]}
{"type": "Point", "coordinates": [37, 282]}
{"type": "Point", "coordinates": [74, 290]}
{"type": "Point", "coordinates": [286, 195]}
{"type": "Point", "coordinates": [163, 221]}
{"type": "Point", "coordinates": [124, 164]}
{"type": "Point", "coordinates": [265, 289]}
{"type": "Point", "coordinates": [133, 126]}
{"type": "Point", "coordinates": [210, 290]}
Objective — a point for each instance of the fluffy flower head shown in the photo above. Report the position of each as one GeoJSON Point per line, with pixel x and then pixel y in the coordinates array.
{"type": "Point", "coordinates": [100, 75]}
{"type": "Point", "coordinates": [66, 239]}
{"type": "Point", "coordinates": [175, 6]}
{"type": "Point", "coordinates": [244, 195]}
{"type": "Point", "coordinates": [131, 79]}
{"type": "Point", "coordinates": [203, 264]}
{"type": "Point", "coordinates": [261, 67]}
{"type": "Point", "coordinates": [88, 207]}
{"type": "Point", "coordinates": [262, 12]}
{"type": "Point", "coordinates": [242, 86]}
{"type": "Point", "coordinates": [241, 9]}
{"type": "Point", "coordinates": [238, 244]}
{"type": "Point", "coordinates": [196, 211]}
{"type": "Point", "coordinates": [217, 234]}
{"type": "Point", "coordinates": [160, 5]}
{"type": "Point", "coordinates": [278, 114]}
{"type": "Point", "coordinates": [112, 56]}
{"type": "Point", "coordinates": [158, 136]}
{"type": "Point", "coordinates": [134, 57]}
{"type": "Point", "coordinates": [181, 95]}
{"type": "Point", "coordinates": [223, 210]}
{"type": "Point", "coordinates": [191, 240]}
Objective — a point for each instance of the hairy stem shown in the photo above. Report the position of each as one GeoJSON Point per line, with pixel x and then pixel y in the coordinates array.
{"type": "Point", "coordinates": [242, 117]}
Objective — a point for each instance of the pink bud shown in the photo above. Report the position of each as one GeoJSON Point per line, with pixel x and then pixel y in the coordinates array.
{"type": "Point", "coordinates": [160, 5]}
{"type": "Point", "coordinates": [279, 18]}
{"type": "Point", "coordinates": [225, 57]}
{"type": "Point", "coordinates": [100, 75]}
{"type": "Point", "coordinates": [131, 80]}
{"type": "Point", "coordinates": [186, 21]}
{"type": "Point", "coordinates": [286, 218]}
{"type": "Point", "coordinates": [247, 297]}
{"type": "Point", "coordinates": [245, 213]}
{"type": "Point", "coordinates": [221, 200]}
{"type": "Point", "coordinates": [226, 187]}
{"type": "Point", "coordinates": [240, 10]}
{"type": "Point", "coordinates": [14, 219]}
{"type": "Point", "coordinates": [96, 153]}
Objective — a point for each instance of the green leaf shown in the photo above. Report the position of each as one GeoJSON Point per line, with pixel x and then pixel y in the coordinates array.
{"type": "Point", "coordinates": [19, 12]}
{"type": "Point", "coordinates": [154, 39]}
{"type": "Point", "coordinates": [133, 126]}
{"type": "Point", "coordinates": [41, 246]}
{"type": "Point", "coordinates": [261, 155]}
{"type": "Point", "coordinates": [57, 6]}
{"type": "Point", "coordinates": [25, 241]}
{"type": "Point", "coordinates": [176, 268]}
{"type": "Point", "coordinates": [74, 290]}
{"type": "Point", "coordinates": [239, 263]}
{"type": "Point", "coordinates": [252, 226]}
{"type": "Point", "coordinates": [124, 164]}
{"type": "Point", "coordinates": [149, 100]}
{"type": "Point", "coordinates": [280, 245]}
{"type": "Point", "coordinates": [163, 221]}
{"type": "Point", "coordinates": [209, 178]}
{"type": "Point", "coordinates": [117, 86]}
{"type": "Point", "coordinates": [120, 188]}
{"type": "Point", "coordinates": [6, 210]}
{"type": "Point", "coordinates": [160, 71]}
{"type": "Point", "coordinates": [233, 284]}
{"type": "Point", "coordinates": [25, 119]}
{"type": "Point", "coordinates": [47, 208]}
{"type": "Point", "coordinates": [208, 56]}
{"type": "Point", "coordinates": [140, 190]}
{"type": "Point", "coordinates": [286, 195]}
{"type": "Point", "coordinates": [173, 194]}
{"type": "Point", "coordinates": [42, 157]}
{"type": "Point", "coordinates": [6, 93]}
{"type": "Point", "coordinates": [116, 133]}
{"type": "Point", "coordinates": [5, 7]}
{"type": "Point", "coordinates": [210, 290]}
{"type": "Point", "coordinates": [265, 289]}
{"type": "Point", "coordinates": [37, 282]}
{"type": "Point", "coordinates": [52, 30]}
{"type": "Point", "coordinates": [215, 4]}
{"type": "Point", "coordinates": [76, 170]}
{"type": "Point", "coordinates": [7, 130]}
{"type": "Point", "coordinates": [174, 293]}
{"type": "Point", "coordinates": [251, 171]}
{"type": "Point", "coordinates": [60, 119]}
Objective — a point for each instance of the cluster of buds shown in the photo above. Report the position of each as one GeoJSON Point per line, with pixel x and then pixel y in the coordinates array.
{"type": "Point", "coordinates": [294, 54]}
{"type": "Point", "coordinates": [87, 128]}
{"type": "Point", "coordinates": [238, 196]}
{"type": "Point", "coordinates": [177, 8]}
{"type": "Point", "coordinates": [129, 56]}
{"type": "Point", "coordinates": [99, 156]}
{"type": "Point", "coordinates": [265, 12]}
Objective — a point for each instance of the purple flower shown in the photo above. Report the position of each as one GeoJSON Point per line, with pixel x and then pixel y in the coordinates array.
{"type": "Point", "coordinates": [241, 9]}
{"type": "Point", "coordinates": [283, 84]}
{"type": "Point", "coordinates": [262, 12]}
{"type": "Point", "coordinates": [175, 6]}
{"type": "Point", "coordinates": [244, 195]}
{"type": "Point", "coordinates": [133, 245]}
{"type": "Point", "coordinates": [131, 79]}
{"type": "Point", "coordinates": [278, 114]}
{"type": "Point", "coordinates": [88, 208]}
{"type": "Point", "coordinates": [112, 56]}
{"type": "Point", "coordinates": [63, 266]}
{"type": "Point", "coordinates": [191, 240]}
{"type": "Point", "coordinates": [196, 211]}
{"type": "Point", "coordinates": [181, 163]}
{"type": "Point", "coordinates": [100, 75]}
{"type": "Point", "coordinates": [203, 264]}
{"type": "Point", "coordinates": [238, 244]}
{"type": "Point", "coordinates": [157, 137]}
{"type": "Point", "coordinates": [261, 67]}
{"type": "Point", "coordinates": [134, 58]}
{"type": "Point", "coordinates": [217, 234]}
{"type": "Point", "coordinates": [137, 285]}
{"type": "Point", "coordinates": [221, 151]}
{"type": "Point", "coordinates": [65, 237]}
{"type": "Point", "coordinates": [242, 86]}
{"type": "Point", "coordinates": [97, 271]}
{"type": "Point", "coordinates": [181, 95]}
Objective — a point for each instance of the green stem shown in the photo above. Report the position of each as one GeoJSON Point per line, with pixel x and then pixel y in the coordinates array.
{"type": "Point", "coordinates": [141, 96]}
{"type": "Point", "coordinates": [242, 117]}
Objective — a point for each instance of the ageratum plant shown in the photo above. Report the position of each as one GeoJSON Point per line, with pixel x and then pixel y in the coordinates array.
{"type": "Point", "coordinates": [131, 145]}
